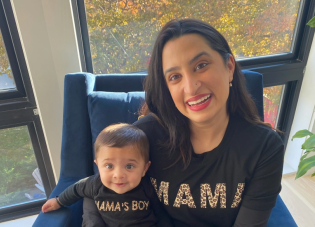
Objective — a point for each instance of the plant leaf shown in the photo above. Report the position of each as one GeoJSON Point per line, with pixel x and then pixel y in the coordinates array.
{"type": "Point", "coordinates": [311, 23]}
{"type": "Point", "coordinates": [309, 143]}
{"type": "Point", "coordinates": [304, 166]}
{"type": "Point", "coordinates": [303, 156]}
{"type": "Point", "coordinates": [313, 175]}
{"type": "Point", "coordinates": [310, 149]}
{"type": "Point", "coordinates": [302, 133]}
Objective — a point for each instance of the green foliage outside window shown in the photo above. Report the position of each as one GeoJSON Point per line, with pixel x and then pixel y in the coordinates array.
{"type": "Point", "coordinates": [122, 33]}
{"type": "Point", "coordinates": [17, 162]}
{"type": "Point", "coordinates": [4, 61]}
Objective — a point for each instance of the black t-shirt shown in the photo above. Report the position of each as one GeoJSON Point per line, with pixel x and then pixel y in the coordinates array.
{"type": "Point", "coordinates": [137, 207]}
{"type": "Point", "coordinates": [243, 171]}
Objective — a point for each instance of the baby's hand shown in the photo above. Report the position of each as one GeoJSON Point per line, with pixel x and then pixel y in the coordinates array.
{"type": "Point", "coordinates": [50, 205]}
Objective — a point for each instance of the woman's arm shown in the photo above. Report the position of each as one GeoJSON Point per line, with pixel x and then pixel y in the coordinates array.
{"type": "Point", "coordinates": [252, 218]}
{"type": "Point", "coordinates": [262, 190]}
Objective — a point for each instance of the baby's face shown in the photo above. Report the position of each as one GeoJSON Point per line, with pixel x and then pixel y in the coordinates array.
{"type": "Point", "coordinates": [121, 169]}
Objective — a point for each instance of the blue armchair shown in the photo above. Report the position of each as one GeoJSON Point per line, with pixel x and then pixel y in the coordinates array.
{"type": "Point", "coordinates": [91, 102]}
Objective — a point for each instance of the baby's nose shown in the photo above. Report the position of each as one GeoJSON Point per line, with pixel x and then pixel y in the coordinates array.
{"type": "Point", "coordinates": [119, 174]}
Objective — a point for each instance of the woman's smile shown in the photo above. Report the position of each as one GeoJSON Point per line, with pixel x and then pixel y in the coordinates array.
{"type": "Point", "coordinates": [199, 102]}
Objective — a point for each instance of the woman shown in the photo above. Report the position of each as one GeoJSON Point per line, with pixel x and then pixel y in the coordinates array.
{"type": "Point", "coordinates": [214, 163]}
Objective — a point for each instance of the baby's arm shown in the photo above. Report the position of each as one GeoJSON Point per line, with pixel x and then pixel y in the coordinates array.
{"type": "Point", "coordinates": [82, 188]}
{"type": "Point", "coordinates": [51, 205]}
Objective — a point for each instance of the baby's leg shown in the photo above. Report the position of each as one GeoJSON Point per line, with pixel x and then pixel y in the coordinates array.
{"type": "Point", "coordinates": [91, 216]}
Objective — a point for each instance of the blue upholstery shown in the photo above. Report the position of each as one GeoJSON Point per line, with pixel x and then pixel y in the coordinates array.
{"type": "Point", "coordinates": [255, 87]}
{"type": "Point", "coordinates": [280, 216]}
{"type": "Point", "coordinates": [124, 107]}
{"type": "Point", "coordinates": [91, 102]}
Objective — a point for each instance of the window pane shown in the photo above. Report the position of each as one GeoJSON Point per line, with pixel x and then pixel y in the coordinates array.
{"type": "Point", "coordinates": [20, 181]}
{"type": "Point", "coordinates": [272, 98]}
{"type": "Point", "coordinates": [6, 77]}
{"type": "Point", "coordinates": [122, 33]}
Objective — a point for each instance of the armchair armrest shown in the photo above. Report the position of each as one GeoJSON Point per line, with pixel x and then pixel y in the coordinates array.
{"type": "Point", "coordinates": [65, 216]}
{"type": "Point", "coordinates": [280, 215]}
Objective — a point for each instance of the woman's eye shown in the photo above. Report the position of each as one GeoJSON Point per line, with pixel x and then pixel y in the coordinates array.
{"type": "Point", "coordinates": [129, 166]}
{"type": "Point", "coordinates": [200, 66]}
{"type": "Point", "coordinates": [174, 77]}
{"type": "Point", "coordinates": [109, 166]}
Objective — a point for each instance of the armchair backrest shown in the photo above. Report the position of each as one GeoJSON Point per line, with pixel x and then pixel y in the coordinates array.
{"type": "Point", "coordinates": [92, 102]}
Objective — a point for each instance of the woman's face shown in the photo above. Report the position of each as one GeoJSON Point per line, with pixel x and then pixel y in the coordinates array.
{"type": "Point", "coordinates": [197, 78]}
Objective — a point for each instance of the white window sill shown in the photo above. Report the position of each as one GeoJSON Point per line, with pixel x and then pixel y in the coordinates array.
{"type": "Point", "coordinates": [25, 222]}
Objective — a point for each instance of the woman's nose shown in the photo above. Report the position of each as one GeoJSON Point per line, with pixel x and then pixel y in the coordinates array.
{"type": "Point", "coordinates": [191, 84]}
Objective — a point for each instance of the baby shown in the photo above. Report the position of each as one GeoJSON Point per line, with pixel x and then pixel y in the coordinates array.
{"type": "Point", "coordinates": [123, 196]}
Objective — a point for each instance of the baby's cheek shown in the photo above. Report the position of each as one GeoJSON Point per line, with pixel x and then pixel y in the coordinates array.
{"type": "Point", "coordinates": [105, 181]}
{"type": "Point", "coordinates": [136, 179]}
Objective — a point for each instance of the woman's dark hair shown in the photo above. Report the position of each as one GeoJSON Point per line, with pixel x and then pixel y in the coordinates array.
{"type": "Point", "coordinates": [158, 98]}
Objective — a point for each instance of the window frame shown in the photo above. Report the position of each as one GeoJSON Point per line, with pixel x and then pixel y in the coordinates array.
{"type": "Point", "coordinates": [22, 96]}
{"type": "Point", "coordinates": [8, 43]}
{"type": "Point", "coordinates": [17, 108]}
{"type": "Point", "coordinates": [278, 69]}
{"type": "Point", "coordinates": [27, 118]}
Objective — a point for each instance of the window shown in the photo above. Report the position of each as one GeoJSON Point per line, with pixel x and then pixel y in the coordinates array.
{"type": "Point", "coordinates": [6, 77]}
{"type": "Point", "coordinates": [272, 99]}
{"type": "Point", "coordinates": [26, 174]}
{"type": "Point", "coordinates": [20, 183]}
{"type": "Point", "coordinates": [270, 37]}
{"type": "Point", "coordinates": [122, 33]}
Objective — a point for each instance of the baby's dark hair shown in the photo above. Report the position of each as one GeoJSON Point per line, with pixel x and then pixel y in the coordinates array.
{"type": "Point", "coordinates": [120, 135]}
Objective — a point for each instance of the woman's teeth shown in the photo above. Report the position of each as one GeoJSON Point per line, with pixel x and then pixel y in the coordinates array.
{"type": "Point", "coordinates": [199, 101]}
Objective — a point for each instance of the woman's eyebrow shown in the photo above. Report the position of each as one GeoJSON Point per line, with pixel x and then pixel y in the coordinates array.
{"type": "Point", "coordinates": [190, 62]}
{"type": "Point", "coordinates": [171, 69]}
{"type": "Point", "coordinates": [198, 56]}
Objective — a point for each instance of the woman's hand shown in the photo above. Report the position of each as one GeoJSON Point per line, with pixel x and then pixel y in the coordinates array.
{"type": "Point", "coordinates": [50, 205]}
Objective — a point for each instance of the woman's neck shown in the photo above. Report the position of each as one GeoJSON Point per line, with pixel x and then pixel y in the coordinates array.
{"type": "Point", "coordinates": [208, 135]}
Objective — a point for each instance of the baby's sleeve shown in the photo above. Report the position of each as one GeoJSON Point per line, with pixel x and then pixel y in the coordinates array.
{"type": "Point", "coordinates": [82, 188]}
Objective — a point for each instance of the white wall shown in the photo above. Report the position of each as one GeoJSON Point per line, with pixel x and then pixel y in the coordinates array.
{"type": "Point", "coordinates": [48, 38]}
{"type": "Point", "coordinates": [304, 111]}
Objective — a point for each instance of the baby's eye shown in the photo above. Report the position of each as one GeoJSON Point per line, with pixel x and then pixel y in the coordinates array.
{"type": "Point", "coordinates": [174, 77]}
{"type": "Point", "coordinates": [129, 166]}
{"type": "Point", "coordinates": [109, 166]}
{"type": "Point", "coordinates": [200, 66]}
